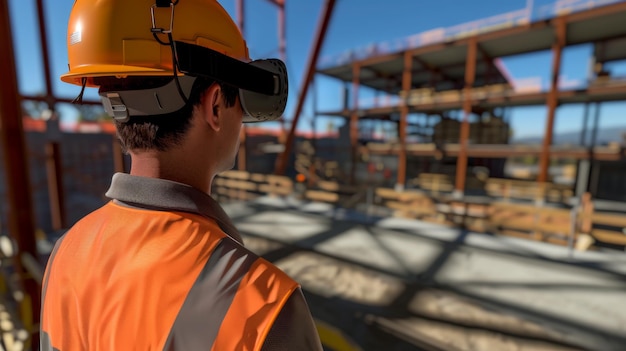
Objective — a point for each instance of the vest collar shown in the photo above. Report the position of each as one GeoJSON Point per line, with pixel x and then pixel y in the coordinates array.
{"type": "Point", "coordinates": [166, 195]}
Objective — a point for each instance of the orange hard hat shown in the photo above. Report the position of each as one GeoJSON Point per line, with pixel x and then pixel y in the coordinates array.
{"type": "Point", "coordinates": [116, 38]}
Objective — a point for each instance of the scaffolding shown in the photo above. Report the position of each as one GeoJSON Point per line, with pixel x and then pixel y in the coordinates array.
{"type": "Point", "coordinates": [459, 68]}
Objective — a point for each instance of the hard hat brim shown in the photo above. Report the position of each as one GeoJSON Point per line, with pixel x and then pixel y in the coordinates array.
{"type": "Point", "coordinates": [76, 74]}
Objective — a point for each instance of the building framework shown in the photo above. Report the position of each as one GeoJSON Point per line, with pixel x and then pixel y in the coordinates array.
{"type": "Point", "coordinates": [459, 69]}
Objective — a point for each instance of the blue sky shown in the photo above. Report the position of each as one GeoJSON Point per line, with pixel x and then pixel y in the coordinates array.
{"type": "Point", "coordinates": [355, 23]}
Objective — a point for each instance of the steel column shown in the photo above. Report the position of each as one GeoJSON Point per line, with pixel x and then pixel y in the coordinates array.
{"type": "Point", "coordinates": [282, 41]}
{"type": "Point", "coordinates": [354, 120]}
{"type": "Point", "coordinates": [407, 78]}
{"type": "Point", "coordinates": [596, 122]}
{"type": "Point", "coordinates": [470, 76]}
{"type": "Point", "coordinates": [329, 5]}
{"type": "Point", "coordinates": [241, 154]}
{"type": "Point", "coordinates": [21, 220]}
{"type": "Point", "coordinates": [557, 49]}
{"type": "Point", "coordinates": [43, 40]}
{"type": "Point", "coordinates": [583, 132]}
{"type": "Point", "coordinates": [239, 5]}
{"type": "Point", "coordinates": [54, 172]}
{"type": "Point", "coordinates": [312, 169]}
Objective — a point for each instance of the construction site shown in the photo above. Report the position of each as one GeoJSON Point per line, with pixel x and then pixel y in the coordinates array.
{"type": "Point", "coordinates": [418, 223]}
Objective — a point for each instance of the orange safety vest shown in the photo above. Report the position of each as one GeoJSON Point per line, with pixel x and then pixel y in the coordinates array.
{"type": "Point", "coordinates": [137, 276]}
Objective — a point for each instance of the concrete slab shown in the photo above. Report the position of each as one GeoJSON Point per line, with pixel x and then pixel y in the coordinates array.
{"type": "Point", "coordinates": [399, 275]}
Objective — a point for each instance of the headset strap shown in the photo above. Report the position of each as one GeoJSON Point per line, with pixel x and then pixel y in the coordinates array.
{"type": "Point", "coordinates": [196, 60]}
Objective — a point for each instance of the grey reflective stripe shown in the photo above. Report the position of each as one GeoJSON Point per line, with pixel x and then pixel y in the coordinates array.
{"type": "Point", "coordinates": [45, 344]}
{"type": "Point", "coordinates": [209, 299]}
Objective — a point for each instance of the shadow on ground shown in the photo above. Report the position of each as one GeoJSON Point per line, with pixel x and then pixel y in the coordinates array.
{"type": "Point", "coordinates": [407, 285]}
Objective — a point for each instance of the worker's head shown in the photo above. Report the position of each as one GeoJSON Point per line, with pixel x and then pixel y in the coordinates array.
{"type": "Point", "coordinates": [159, 62]}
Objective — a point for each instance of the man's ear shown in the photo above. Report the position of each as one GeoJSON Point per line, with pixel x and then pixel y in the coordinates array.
{"type": "Point", "coordinates": [212, 111]}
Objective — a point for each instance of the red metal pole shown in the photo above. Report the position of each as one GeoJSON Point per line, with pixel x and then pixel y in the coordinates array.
{"type": "Point", "coordinates": [281, 161]}
{"type": "Point", "coordinates": [282, 41]}
{"type": "Point", "coordinates": [470, 75]}
{"type": "Point", "coordinates": [45, 55]}
{"type": "Point", "coordinates": [21, 219]}
{"type": "Point", "coordinates": [557, 48]}
{"type": "Point", "coordinates": [282, 53]}
{"type": "Point", "coordinates": [354, 119]}
{"type": "Point", "coordinates": [407, 78]}
{"type": "Point", "coordinates": [240, 14]}
{"type": "Point", "coordinates": [241, 156]}
{"type": "Point", "coordinates": [54, 171]}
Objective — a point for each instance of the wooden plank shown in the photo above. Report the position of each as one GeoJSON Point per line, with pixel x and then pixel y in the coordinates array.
{"type": "Point", "coordinates": [328, 186]}
{"type": "Point", "coordinates": [387, 193]}
{"type": "Point", "coordinates": [395, 205]}
{"type": "Point", "coordinates": [256, 177]}
{"type": "Point", "coordinates": [515, 207]}
{"type": "Point", "coordinates": [609, 219]}
{"type": "Point", "coordinates": [412, 196]}
{"type": "Point", "coordinates": [279, 180]}
{"type": "Point", "coordinates": [323, 196]}
{"type": "Point", "coordinates": [334, 186]}
{"type": "Point", "coordinates": [609, 236]}
{"type": "Point", "coordinates": [275, 189]}
{"type": "Point", "coordinates": [241, 175]}
{"type": "Point", "coordinates": [517, 224]}
{"type": "Point", "coordinates": [240, 184]}
{"type": "Point", "coordinates": [555, 228]}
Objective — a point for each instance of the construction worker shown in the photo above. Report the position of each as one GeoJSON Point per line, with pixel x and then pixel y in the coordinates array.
{"type": "Point", "coordinates": [161, 266]}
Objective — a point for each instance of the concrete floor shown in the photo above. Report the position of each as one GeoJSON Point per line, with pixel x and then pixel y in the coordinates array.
{"type": "Point", "coordinates": [403, 284]}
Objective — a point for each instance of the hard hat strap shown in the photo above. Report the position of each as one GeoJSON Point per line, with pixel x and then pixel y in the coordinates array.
{"type": "Point", "coordinates": [156, 29]}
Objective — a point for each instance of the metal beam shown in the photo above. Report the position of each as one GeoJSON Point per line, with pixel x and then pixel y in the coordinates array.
{"type": "Point", "coordinates": [380, 75]}
{"type": "Point", "coordinates": [241, 153]}
{"type": "Point", "coordinates": [498, 34]}
{"type": "Point", "coordinates": [591, 94]}
{"type": "Point", "coordinates": [43, 40]}
{"type": "Point", "coordinates": [21, 219]}
{"type": "Point", "coordinates": [596, 122]}
{"type": "Point", "coordinates": [402, 126]}
{"type": "Point", "coordinates": [583, 131]}
{"type": "Point", "coordinates": [470, 75]}
{"type": "Point", "coordinates": [56, 193]}
{"type": "Point", "coordinates": [329, 5]}
{"type": "Point", "coordinates": [354, 121]}
{"type": "Point", "coordinates": [240, 9]}
{"type": "Point", "coordinates": [282, 41]}
{"type": "Point", "coordinates": [500, 151]}
{"type": "Point", "coordinates": [433, 69]}
{"type": "Point", "coordinates": [553, 95]}
{"type": "Point", "coordinates": [280, 3]}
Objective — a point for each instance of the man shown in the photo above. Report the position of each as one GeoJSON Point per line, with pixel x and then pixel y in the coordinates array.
{"type": "Point", "coordinates": [161, 266]}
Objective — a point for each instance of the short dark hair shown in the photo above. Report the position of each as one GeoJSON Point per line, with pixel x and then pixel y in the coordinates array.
{"type": "Point", "coordinates": [162, 132]}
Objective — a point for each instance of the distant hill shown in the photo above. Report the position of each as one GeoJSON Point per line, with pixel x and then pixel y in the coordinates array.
{"type": "Point", "coordinates": [605, 135]}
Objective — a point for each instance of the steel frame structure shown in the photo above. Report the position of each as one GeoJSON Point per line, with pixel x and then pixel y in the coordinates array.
{"type": "Point", "coordinates": [282, 54]}
{"type": "Point", "coordinates": [558, 28]}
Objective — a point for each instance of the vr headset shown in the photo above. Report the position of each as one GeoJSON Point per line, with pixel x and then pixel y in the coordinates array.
{"type": "Point", "coordinates": [263, 86]}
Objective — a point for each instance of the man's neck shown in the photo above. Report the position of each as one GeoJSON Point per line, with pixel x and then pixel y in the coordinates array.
{"type": "Point", "coordinates": [171, 166]}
